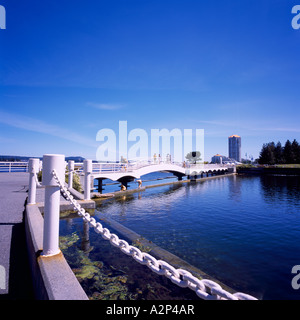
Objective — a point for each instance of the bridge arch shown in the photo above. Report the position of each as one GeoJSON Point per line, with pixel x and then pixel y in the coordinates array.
{"type": "Point", "coordinates": [137, 173]}
{"type": "Point", "coordinates": [125, 174]}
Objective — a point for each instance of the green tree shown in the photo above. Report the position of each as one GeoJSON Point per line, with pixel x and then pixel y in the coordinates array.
{"type": "Point", "coordinates": [271, 153]}
{"type": "Point", "coordinates": [288, 152]}
{"type": "Point", "coordinates": [278, 153]}
{"type": "Point", "coordinates": [267, 153]}
{"type": "Point", "coordinates": [76, 182]}
{"type": "Point", "coordinates": [295, 151]}
{"type": "Point", "coordinates": [263, 157]}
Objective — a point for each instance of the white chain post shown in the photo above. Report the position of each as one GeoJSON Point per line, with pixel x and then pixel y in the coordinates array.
{"type": "Point", "coordinates": [33, 169]}
{"type": "Point", "coordinates": [88, 169]}
{"type": "Point", "coordinates": [71, 171]}
{"type": "Point", "coordinates": [52, 202]}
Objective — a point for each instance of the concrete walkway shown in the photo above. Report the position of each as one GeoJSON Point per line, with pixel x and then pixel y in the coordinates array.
{"type": "Point", "coordinates": [15, 277]}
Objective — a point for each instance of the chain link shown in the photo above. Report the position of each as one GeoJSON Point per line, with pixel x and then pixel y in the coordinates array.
{"type": "Point", "coordinates": [38, 184]}
{"type": "Point", "coordinates": [204, 288]}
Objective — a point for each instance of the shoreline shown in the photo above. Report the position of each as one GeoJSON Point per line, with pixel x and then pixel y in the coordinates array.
{"type": "Point", "coordinates": [269, 170]}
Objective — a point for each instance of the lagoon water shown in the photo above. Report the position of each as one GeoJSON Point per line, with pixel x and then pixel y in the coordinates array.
{"type": "Point", "coordinates": [242, 230]}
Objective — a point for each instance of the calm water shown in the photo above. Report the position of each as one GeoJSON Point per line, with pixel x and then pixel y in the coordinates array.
{"type": "Point", "coordinates": [242, 230]}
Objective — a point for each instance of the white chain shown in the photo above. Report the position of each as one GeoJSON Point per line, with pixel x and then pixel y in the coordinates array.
{"type": "Point", "coordinates": [205, 289]}
{"type": "Point", "coordinates": [38, 184]}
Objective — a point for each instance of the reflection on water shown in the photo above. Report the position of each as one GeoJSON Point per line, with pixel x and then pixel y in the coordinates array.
{"type": "Point", "coordinates": [282, 189]}
{"type": "Point", "coordinates": [234, 186]}
{"type": "Point", "coordinates": [242, 230]}
{"type": "Point", "coordinates": [233, 228]}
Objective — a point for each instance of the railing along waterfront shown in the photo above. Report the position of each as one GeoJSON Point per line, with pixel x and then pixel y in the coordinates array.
{"type": "Point", "coordinates": [53, 178]}
{"type": "Point", "coordinates": [131, 166]}
{"type": "Point", "coordinates": [14, 166]}
{"type": "Point", "coordinates": [110, 167]}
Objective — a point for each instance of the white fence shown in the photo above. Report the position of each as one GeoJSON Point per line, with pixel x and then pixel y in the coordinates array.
{"type": "Point", "coordinates": [14, 166]}
{"type": "Point", "coordinates": [99, 167]}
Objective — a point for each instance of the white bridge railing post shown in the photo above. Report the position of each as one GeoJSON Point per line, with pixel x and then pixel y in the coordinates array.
{"type": "Point", "coordinates": [33, 168]}
{"type": "Point", "coordinates": [71, 171]}
{"type": "Point", "coordinates": [88, 169]}
{"type": "Point", "coordinates": [52, 202]}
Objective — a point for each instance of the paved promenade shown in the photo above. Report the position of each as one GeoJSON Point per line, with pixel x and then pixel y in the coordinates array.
{"type": "Point", "coordinates": [15, 278]}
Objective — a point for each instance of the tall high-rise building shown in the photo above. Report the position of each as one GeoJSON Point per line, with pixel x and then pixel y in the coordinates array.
{"type": "Point", "coordinates": [234, 147]}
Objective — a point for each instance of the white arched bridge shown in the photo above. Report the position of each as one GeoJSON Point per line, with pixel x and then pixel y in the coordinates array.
{"type": "Point", "coordinates": [126, 172]}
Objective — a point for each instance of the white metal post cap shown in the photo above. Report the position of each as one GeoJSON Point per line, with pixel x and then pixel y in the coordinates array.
{"type": "Point", "coordinates": [71, 165]}
{"type": "Point", "coordinates": [88, 166]}
{"type": "Point", "coordinates": [33, 165]}
{"type": "Point", "coordinates": [53, 162]}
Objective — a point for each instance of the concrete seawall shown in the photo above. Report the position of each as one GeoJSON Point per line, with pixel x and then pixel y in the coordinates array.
{"type": "Point", "coordinates": [48, 283]}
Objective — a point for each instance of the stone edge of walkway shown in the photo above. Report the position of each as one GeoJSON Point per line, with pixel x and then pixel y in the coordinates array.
{"type": "Point", "coordinates": [53, 277]}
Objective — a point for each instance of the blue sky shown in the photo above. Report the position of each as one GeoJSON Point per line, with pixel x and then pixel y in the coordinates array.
{"type": "Point", "coordinates": [71, 68]}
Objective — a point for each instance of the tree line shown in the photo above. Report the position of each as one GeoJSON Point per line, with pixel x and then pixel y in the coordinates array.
{"type": "Point", "coordinates": [272, 153]}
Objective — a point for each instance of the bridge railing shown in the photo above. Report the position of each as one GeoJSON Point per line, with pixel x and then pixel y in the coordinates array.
{"type": "Point", "coordinates": [209, 166]}
{"type": "Point", "coordinates": [135, 165]}
{"type": "Point", "coordinates": [110, 167]}
{"type": "Point", "coordinates": [14, 166]}
{"type": "Point", "coordinates": [130, 166]}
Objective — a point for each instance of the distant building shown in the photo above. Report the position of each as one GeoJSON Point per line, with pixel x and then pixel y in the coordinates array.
{"type": "Point", "coordinates": [218, 158]}
{"type": "Point", "coordinates": [234, 147]}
